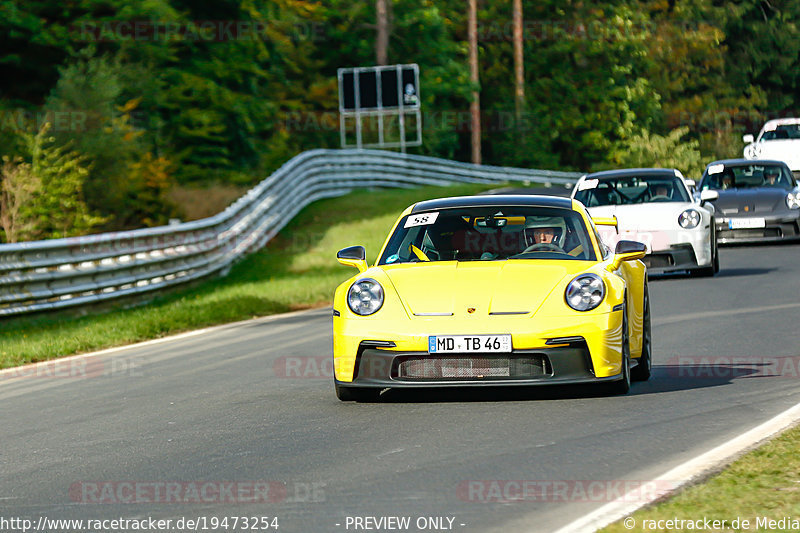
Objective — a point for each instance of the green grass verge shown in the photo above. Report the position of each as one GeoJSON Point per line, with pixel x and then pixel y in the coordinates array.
{"type": "Point", "coordinates": [761, 485]}
{"type": "Point", "coordinates": [297, 269]}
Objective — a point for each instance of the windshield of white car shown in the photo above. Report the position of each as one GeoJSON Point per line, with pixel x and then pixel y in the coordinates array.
{"type": "Point", "coordinates": [782, 133]}
{"type": "Point", "coordinates": [723, 177]}
{"type": "Point", "coordinates": [489, 234]}
{"type": "Point", "coordinates": [626, 190]}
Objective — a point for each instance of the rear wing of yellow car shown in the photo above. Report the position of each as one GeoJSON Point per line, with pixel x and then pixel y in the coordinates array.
{"type": "Point", "coordinates": [605, 221]}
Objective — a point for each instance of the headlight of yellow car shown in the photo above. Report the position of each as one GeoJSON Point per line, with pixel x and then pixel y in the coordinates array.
{"type": "Point", "coordinates": [365, 297]}
{"type": "Point", "coordinates": [585, 292]}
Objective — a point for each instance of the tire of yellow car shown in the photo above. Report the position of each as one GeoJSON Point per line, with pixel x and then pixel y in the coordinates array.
{"type": "Point", "coordinates": [643, 370]}
{"type": "Point", "coordinates": [623, 385]}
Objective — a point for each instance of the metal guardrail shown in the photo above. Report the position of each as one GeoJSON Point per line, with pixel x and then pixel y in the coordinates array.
{"type": "Point", "coordinates": [60, 273]}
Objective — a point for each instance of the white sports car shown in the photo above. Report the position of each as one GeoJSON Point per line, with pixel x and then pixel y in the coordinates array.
{"type": "Point", "coordinates": [779, 139]}
{"type": "Point", "coordinates": [654, 206]}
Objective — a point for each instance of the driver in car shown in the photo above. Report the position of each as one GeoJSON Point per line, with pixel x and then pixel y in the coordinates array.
{"type": "Point", "coordinates": [544, 231]}
{"type": "Point", "coordinates": [661, 190]}
{"type": "Point", "coordinates": [544, 235]}
{"type": "Point", "coordinates": [727, 179]}
{"type": "Point", "coordinates": [770, 176]}
{"type": "Point", "coordinates": [552, 235]}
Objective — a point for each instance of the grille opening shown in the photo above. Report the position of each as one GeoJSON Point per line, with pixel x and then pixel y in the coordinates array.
{"type": "Point", "coordinates": [752, 233]}
{"type": "Point", "coordinates": [660, 260]}
{"type": "Point", "coordinates": [470, 367]}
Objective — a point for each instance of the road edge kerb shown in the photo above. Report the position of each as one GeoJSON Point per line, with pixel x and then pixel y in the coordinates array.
{"type": "Point", "coordinates": [688, 473]}
{"type": "Point", "coordinates": [178, 336]}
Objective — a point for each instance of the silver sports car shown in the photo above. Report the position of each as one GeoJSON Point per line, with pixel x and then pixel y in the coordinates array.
{"type": "Point", "coordinates": [759, 200]}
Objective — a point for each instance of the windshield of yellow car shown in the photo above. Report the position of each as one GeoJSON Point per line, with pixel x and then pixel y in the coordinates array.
{"type": "Point", "coordinates": [626, 190]}
{"type": "Point", "coordinates": [489, 234]}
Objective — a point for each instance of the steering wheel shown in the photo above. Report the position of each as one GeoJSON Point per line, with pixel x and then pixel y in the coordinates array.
{"type": "Point", "coordinates": [660, 198]}
{"type": "Point", "coordinates": [544, 247]}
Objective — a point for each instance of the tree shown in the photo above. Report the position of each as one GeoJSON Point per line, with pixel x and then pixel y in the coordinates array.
{"type": "Point", "coordinates": [579, 83]}
{"type": "Point", "coordinates": [42, 197]}
{"type": "Point", "coordinates": [763, 50]}
{"type": "Point", "coordinates": [58, 205]}
{"type": "Point", "coordinates": [382, 31]}
{"type": "Point", "coordinates": [519, 63]}
{"type": "Point", "coordinates": [92, 90]}
{"type": "Point", "coordinates": [18, 185]}
{"type": "Point", "coordinates": [645, 149]}
{"type": "Point", "coordinates": [585, 79]}
{"type": "Point", "coordinates": [474, 78]}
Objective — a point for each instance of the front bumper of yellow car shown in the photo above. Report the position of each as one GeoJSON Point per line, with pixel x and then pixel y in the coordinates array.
{"type": "Point", "coordinates": [576, 348]}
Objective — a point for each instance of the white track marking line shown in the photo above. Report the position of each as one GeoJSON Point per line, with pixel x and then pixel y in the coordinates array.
{"type": "Point", "coordinates": [110, 351]}
{"type": "Point", "coordinates": [289, 343]}
{"type": "Point", "coordinates": [167, 354]}
{"type": "Point", "coordinates": [685, 473]}
{"type": "Point", "coordinates": [674, 319]}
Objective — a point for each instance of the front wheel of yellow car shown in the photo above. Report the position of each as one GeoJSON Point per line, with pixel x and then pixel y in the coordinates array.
{"type": "Point", "coordinates": [623, 385]}
{"type": "Point", "coordinates": [356, 394]}
{"type": "Point", "coordinates": [641, 372]}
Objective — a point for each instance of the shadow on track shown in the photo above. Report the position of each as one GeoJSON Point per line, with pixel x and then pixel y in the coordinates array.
{"type": "Point", "coordinates": [680, 377]}
{"type": "Point", "coordinates": [723, 273]}
{"type": "Point", "coordinates": [493, 394]}
{"type": "Point", "coordinates": [766, 244]}
{"type": "Point", "coordinates": [736, 272]}
{"type": "Point", "coordinates": [666, 378]}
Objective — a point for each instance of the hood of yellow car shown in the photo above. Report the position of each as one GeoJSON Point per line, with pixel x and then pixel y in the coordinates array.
{"type": "Point", "coordinates": [517, 286]}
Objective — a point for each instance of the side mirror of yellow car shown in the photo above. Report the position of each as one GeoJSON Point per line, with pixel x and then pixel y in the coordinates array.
{"type": "Point", "coordinates": [354, 256]}
{"type": "Point", "coordinates": [627, 251]}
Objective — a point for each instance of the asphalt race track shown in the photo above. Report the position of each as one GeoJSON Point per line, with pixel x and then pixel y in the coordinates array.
{"type": "Point", "coordinates": [254, 403]}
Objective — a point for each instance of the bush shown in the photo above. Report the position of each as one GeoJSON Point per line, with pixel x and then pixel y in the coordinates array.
{"type": "Point", "coordinates": [646, 149]}
{"type": "Point", "coordinates": [42, 197]}
{"type": "Point", "coordinates": [18, 185]}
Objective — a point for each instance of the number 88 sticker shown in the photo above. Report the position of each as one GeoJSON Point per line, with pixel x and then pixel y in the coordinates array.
{"type": "Point", "coordinates": [422, 219]}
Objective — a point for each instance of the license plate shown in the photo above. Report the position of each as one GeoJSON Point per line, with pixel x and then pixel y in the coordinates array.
{"type": "Point", "coordinates": [469, 344]}
{"type": "Point", "coordinates": [746, 223]}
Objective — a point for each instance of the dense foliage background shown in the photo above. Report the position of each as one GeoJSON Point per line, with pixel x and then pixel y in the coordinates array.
{"type": "Point", "coordinates": [105, 106]}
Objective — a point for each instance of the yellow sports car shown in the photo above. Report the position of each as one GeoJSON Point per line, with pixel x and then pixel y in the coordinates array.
{"type": "Point", "coordinates": [492, 290]}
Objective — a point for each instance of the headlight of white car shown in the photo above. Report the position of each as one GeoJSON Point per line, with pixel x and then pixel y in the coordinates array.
{"type": "Point", "coordinates": [365, 297]}
{"type": "Point", "coordinates": [585, 292]}
{"type": "Point", "coordinates": [689, 219]}
{"type": "Point", "coordinates": [793, 200]}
